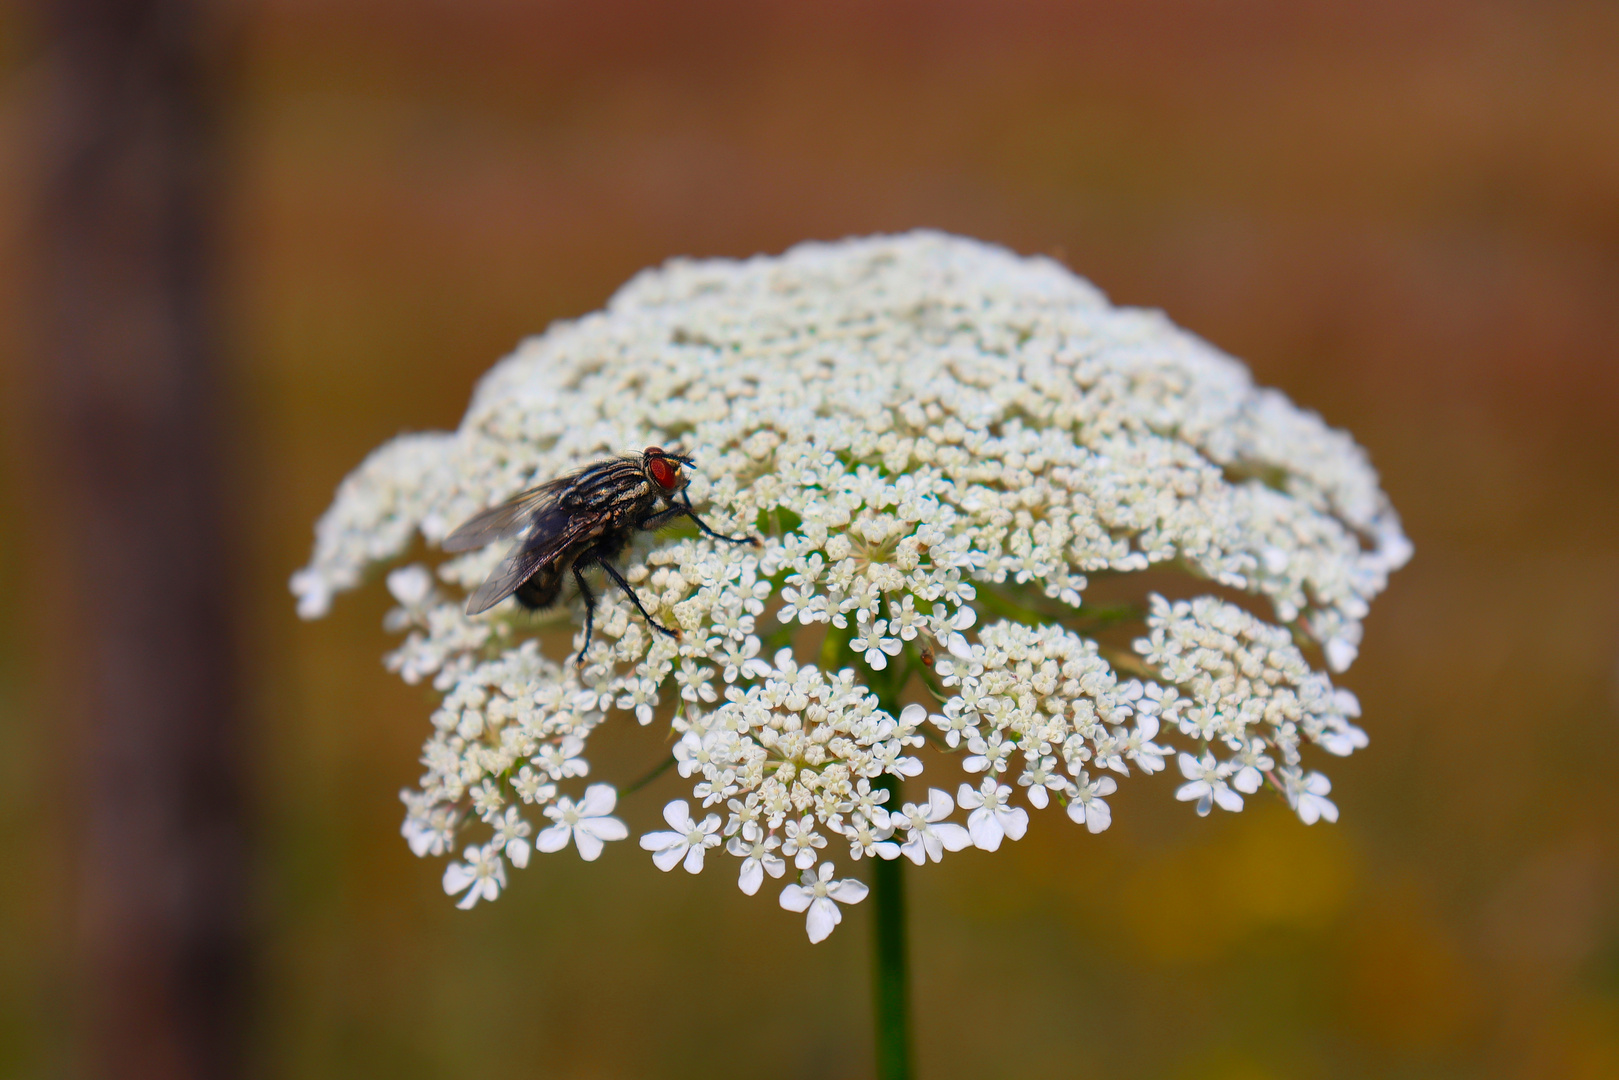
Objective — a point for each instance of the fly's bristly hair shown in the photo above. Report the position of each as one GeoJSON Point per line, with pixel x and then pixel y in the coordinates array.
{"type": "Point", "coordinates": [583, 519]}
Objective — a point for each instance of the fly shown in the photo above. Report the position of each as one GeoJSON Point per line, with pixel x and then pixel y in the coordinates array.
{"type": "Point", "coordinates": [577, 521]}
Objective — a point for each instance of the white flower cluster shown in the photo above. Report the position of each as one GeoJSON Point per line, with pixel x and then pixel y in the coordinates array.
{"type": "Point", "coordinates": [940, 444]}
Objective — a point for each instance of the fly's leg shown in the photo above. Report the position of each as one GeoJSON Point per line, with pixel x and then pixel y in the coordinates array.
{"type": "Point", "coordinates": [659, 519]}
{"type": "Point", "coordinates": [703, 525]}
{"type": "Point", "coordinates": [612, 572]}
{"type": "Point", "coordinates": [590, 610]}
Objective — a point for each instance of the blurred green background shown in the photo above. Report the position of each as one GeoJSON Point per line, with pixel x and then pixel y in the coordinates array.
{"type": "Point", "coordinates": [1405, 215]}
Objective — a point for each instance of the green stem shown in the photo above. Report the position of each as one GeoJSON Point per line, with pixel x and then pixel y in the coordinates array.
{"type": "Point", "coordinates": [890, 946]}
{"type": "Point", "coordinates": [662, 767]}
{"type": "Point", "coordinates": [1027, 606]}
{"type": "Point", "coordinates": [890, 959]}
{"type": "Point", "coordinates": [890, 949]}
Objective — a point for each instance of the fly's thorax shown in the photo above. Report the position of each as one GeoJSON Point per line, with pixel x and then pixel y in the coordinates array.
{"type": "Point", "coordinates": [628, 512]}
{"type": "Point", "coordinates": [639, 496]}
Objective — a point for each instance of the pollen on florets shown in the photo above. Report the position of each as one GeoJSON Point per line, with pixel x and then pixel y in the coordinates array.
{"type": "Point", "coordinates": [941, 445]}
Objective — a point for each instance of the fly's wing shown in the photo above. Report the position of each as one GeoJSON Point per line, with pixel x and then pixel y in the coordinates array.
{"type": "Point", "coordinates": [504, 521]}
{"type": "Point", "coordinates": [553, 533]}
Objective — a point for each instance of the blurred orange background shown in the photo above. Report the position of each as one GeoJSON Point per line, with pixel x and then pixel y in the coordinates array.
{"type": "Point", "coordinates": [1405, 215]}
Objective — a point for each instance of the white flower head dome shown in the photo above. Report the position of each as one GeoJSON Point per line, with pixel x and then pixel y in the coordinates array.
{"type": "Point", "coordinates": [947, 451]}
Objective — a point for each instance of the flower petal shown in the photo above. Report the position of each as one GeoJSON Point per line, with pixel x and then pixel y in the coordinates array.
{"type": "Point", "coordinates": [603, 828]}
{"type": "Point", "coordinates": [986, 831]}
{"type": "Point", "coordinates": [678, 815]}
{"type": "Point", "coordinates": [824, 916]}
{"type": "Point", "coordinates": [553, 839]}
{"type": "Point", "coordinates": [457, 877]}
{"type": "Point", "coordinates": [410, 584]}
{"type": "Point", "coordinates": [1014, 820]}
{"type": "Point", "coordinates": [589, 845]}
{"type": "Point", "coordinates": [694, 859]}
{"type": "Point", "coordinates": [660, 841]}
{"type": "Point", "coordinates": [599, 800]}
{"type": "Point", "coordinates": [751, 877]}
{"type": "Point", "coordinates": [667, 858]}
{"type": "Point", "coordinates": [796, 898]}
{"type": "Point", "coordinates": [848, 891]}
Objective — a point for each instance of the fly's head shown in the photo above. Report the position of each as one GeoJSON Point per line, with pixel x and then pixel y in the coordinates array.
{"type": "Point", "coordinates": [664, 469]}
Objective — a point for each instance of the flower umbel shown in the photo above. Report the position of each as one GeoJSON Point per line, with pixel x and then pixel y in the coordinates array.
{"type": "Point", "coordinates": [940, 445]}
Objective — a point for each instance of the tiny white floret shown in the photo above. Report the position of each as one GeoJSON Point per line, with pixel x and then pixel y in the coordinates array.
{"type": "Point", "coordinates": [818, 894]}
{"type": "Point", "coordinates": [1085, 805]}
{"type": "Point", "coordinates": [928, 834]}
{"type": "Point", "coordinates": [688, 841]}
{"type": "Point", "coordinates": [587, 823]}
{"type": "Point", "coordinates": [757, 850]}
{"type": "Point", "coordinates": [1207, 784]}
{"type": "Point", "coordinates": [482, 876]}
{"type": "Point", "coordinates": [993, 817]}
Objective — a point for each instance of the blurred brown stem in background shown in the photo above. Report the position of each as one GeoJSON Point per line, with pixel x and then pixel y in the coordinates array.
{"type": "Point", "coordinates": [127, 374]}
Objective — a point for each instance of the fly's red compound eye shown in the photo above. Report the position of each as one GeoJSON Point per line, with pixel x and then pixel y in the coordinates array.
{"type": "Point", "coordinates": [665, 472]}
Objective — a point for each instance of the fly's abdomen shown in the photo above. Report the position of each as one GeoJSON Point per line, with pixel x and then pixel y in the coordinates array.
{"type": "Point", "coordinates": [542, 587]}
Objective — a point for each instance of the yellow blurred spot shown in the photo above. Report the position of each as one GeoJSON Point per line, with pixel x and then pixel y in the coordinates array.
{"type": "Point", "coordinates": [1265, 871]}
{"type": "Point", "coordinates": [1223, 1065]}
